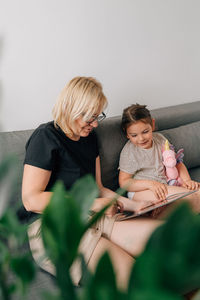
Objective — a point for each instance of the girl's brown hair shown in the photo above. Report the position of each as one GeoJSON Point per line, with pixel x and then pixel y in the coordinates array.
{"type": "Point", "coordinates": [134, 113]}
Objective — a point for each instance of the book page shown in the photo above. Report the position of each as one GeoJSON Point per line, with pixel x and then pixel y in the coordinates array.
{"type": "Point", "coordinates": [132, 214]}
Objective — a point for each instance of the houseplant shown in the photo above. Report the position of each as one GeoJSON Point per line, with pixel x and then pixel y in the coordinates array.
{"type": "Point", "coordinates": [168, 268]}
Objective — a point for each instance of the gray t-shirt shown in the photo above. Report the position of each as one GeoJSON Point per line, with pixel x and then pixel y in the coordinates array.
{"type": "Point", "coordinates": [144, 163]}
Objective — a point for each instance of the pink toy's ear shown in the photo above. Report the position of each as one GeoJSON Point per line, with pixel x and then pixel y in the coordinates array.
{"type": "Point", "coordinates": [153, 124]}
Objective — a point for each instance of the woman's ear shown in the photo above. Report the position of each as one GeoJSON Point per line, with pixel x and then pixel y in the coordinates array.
{"type": "Point", "coordinates": [153, 124]}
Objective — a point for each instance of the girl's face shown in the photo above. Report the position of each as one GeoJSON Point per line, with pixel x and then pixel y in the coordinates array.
{"type": "Point", "coordinates": [140, 134]}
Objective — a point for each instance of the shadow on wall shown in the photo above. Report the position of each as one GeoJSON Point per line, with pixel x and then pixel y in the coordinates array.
{"type": "Point", "coordinates": [1, 90]}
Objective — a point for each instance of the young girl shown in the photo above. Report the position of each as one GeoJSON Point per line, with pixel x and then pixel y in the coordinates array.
{"type": "Point", "coordinates": [141, 167]}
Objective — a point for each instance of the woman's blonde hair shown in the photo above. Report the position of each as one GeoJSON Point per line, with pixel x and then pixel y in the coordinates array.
{"type": "Point", "coordinates": [82, 96]}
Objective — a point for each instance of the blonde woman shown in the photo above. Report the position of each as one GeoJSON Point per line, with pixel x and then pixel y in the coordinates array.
{"type": "Point", "coordinates": [66, 149]}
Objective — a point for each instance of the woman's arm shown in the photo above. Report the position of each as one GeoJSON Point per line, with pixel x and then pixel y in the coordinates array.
{"type": "Point", "coordinates": [34, 182]}
{"type": "Point", "coordinates": [185, 176]}
{"type": "Point", "coordinates": [106, 194]}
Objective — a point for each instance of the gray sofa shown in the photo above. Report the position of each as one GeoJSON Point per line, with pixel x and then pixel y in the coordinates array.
{"type": "Point", "coordinates": [180, 124]}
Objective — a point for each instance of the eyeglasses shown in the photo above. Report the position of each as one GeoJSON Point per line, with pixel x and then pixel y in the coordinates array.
{"type": "Point", "coordinates": [99, 118]}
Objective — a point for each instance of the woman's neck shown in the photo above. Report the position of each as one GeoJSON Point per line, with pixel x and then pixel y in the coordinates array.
{"type": "Point", "coordinates": [74, 137]}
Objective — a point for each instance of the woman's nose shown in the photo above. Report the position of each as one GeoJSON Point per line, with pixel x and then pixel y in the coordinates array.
{"type": "Point", "coordinates": [94, 124]}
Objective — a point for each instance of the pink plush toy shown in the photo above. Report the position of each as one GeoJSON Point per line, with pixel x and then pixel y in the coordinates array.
{"type": "Point", "coordinates": [170, 159]}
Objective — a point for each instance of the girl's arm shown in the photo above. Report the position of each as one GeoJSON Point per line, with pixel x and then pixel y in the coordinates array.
{"type": "Point", "coordinates": [130, 184]}
{"type": "Point", "coordinates": [185, 176]}
{"type": "Point", "coordinates": [34, 182]}
{"type": "Point", "coordinates": [135, 185]}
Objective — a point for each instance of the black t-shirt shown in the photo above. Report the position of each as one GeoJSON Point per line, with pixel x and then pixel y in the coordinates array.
{"type": "Point", "coordinates": [50, 149]}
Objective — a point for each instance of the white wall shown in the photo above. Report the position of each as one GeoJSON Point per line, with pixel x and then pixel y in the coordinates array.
{"type": "Point", "coordinates": [141, 50]}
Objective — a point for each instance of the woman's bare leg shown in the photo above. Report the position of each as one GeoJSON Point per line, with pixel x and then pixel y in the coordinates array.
{"type": "Point", "coordinates": [121, 260]}
{"type": "Point", "coordinates": [129, 237]}
{"type": "Point", "coordinates": [132, 235]}
{"type": "Point", "coordinates": [193, 199]}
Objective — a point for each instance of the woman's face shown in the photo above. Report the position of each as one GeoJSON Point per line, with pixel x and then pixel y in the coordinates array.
{"type": "Point", "coordinates": [83, 128]}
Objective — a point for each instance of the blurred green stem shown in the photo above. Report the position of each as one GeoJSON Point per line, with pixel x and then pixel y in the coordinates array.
{"type": "Point", "coordinates": [64, 281]}
{"type": "Point", "coordinates": [4, 289]}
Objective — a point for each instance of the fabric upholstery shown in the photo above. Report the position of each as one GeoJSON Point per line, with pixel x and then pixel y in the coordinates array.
{"type": "Point", "coordinates": [188, 138]}
{"type": "Point", "coordinates": [111, 141]}
{"type": "Point", "coordinates": [14, 143]}
{"type": "Point", "coordinates": [180, 124]}
{"type": "Point", "coordinates": [169, 120]}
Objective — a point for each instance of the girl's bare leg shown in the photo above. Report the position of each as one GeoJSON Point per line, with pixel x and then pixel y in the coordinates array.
{"type": "Point", "coordinates": [121, 260]}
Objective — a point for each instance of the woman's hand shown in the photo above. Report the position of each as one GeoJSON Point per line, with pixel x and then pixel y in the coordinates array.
{"type": "Point", "coordinates": [190, 184]}
{"type": "Point", "coordinates": [100, 203]}
{"type": "Point", "coordinates": [159, 189]}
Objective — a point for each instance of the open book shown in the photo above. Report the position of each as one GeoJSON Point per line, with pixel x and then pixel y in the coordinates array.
{"type": "Point", "coordinates": [130, 213]}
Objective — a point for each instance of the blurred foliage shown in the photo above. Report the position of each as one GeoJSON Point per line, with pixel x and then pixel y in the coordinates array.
{"type": "Point", "coordinates": [17, 269]}
{"type": "Point", "coordinates": [168, 268]}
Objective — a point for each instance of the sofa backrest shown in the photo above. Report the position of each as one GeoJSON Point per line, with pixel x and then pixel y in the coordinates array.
{"type": "Point", "coordinates": [180, 124]}
{"type": "Point", "coordinates": [14, 143]}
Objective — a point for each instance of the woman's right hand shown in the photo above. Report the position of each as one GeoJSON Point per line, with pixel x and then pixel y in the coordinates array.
{"type": "Point", "coordinates": [100, 203]}
{"type": "Point", "coordinates": [159, 189]}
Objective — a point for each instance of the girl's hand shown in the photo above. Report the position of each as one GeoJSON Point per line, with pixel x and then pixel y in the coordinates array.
{"type": "Point", "coordinates": [159, 189]}
{"type": "Point", "coordinates": [190, 184]}
{"type": "Point", "coordinates": [100, 203]}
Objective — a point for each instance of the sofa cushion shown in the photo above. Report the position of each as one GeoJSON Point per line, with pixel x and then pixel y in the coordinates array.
{"type": "Point", "coordinates": [111, 141]}
{"type": "Point", "coordinates": [14, 143]}
{"type": "Point", "coordinates": [177, 115]}
{"type": "Point", "coordinates": [195, 173]}
{"type": "Point", "coordinates": [188, 138]}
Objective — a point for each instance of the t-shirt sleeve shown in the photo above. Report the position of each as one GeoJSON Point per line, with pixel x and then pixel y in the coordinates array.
{"type": "Point", "coordinates": [162, 139]}
{"type": "Point", "coordinates": [127, 163]}
{"type": "Point", "coordinates": [40, 150]}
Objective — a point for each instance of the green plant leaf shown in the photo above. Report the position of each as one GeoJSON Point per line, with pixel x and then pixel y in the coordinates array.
{"type": "Point", "coordinates": [48, 296]}
{"type": "Point", "coordinates": [103, 285]}
{"type": "Point", "coordinates": [4, 254]}
{"type": "Point", "coordinates": [171, 260]}
{"type": "Point", "coordinates": [97, 215]}
{"type": "Point", "coordinates": [24, 268]}
{"type": "Point", "coordinates": [61, 226]}
{"type": "Point", "coordinates": [12, 230]}
{"type": "Point", "coordinates": [151, 294]}
{"type": "Point", "coordinates": [84, 191]}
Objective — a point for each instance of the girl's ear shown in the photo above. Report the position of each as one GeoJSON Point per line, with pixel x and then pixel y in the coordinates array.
{"type": "Point", "coordinates": [153, 124]}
